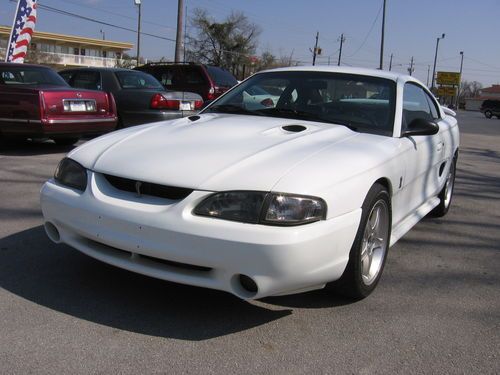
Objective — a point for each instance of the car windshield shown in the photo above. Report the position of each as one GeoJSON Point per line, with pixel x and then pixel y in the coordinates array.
{"type": "Point", "coordinates": [137, 80]}
{"type": "Point", "coordinates": [362, 103]}
{"type": "Point", "coordinates": [30, 76]}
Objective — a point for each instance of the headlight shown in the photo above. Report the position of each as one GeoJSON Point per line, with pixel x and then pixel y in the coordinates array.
{"type": "Point", "coordinates": [263, 208]}
{"type": "Point", "coordinates": [72, 174]}
{"type": "Point", "coordinates": [286, 209]}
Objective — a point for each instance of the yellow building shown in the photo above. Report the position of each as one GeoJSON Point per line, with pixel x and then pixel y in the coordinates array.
{"type": "Point", "coordinates": [59, 50]}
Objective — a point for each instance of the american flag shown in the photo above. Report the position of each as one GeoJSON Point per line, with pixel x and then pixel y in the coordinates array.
{"type": "Point", "coordinates": [22, 30]}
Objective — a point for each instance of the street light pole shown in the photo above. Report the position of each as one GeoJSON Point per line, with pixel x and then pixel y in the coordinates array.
{"type": "Point", "coordinates": [435, 61]}
{"type": "Point", "coordinates": [381, 66]}
{"type": "Point", "coordinates": [138, 3]}
{"type": "Point", "coordinates": [460, 81]}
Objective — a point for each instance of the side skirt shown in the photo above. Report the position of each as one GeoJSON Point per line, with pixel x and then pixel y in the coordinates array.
{"type": "Point", "coordinates": [409, 222]}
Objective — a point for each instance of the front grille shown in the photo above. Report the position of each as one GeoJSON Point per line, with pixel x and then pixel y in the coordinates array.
{"type": "Point", "coordinates": [148, 188]}
{"type": "Point", "coordinates": [113, 251]}
{"type": "Point", "coordinates": [171, 263]}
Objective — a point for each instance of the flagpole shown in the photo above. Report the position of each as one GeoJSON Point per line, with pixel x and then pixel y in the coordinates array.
{"type": "Point", "coordinates": [11, 31]}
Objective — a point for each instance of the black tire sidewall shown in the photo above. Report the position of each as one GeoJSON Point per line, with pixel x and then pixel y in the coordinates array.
{"type": "Point", "coordinates": [352, 279]}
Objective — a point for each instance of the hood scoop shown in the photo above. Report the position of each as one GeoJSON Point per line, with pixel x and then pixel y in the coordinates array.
{"type": "Point", "coordinates": [294, 128]}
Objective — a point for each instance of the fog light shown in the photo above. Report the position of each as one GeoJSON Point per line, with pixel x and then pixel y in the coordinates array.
{"type": "Point", "coordinates": [52, 232]}
{"type": "Point", "coordinates": [248, 284]}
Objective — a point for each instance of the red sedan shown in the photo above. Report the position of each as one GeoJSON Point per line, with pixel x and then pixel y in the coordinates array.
{"type": "Point", "coordinates": [35, 102]}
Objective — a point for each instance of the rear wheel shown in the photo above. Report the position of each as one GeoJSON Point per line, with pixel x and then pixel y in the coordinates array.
{"type": "Point", "coordinates": [369, 250]}
{"type": "Point", "coordinates": [65, 141]}
{"type": "Point", "coordinates": [488, 113]}
{"type": "Point", "coordinates": [446, 193]}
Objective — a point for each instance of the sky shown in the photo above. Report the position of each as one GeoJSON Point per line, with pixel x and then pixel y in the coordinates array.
{"type": "Point", "coordinates": [289, 28]}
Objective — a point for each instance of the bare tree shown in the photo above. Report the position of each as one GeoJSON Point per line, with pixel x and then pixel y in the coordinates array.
{"type": "Point", "coordinates": [469, 89]}
{"type": "Point", "coordinates": [226, 44]}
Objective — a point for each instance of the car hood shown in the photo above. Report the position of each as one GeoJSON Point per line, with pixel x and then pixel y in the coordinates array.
{"type": "Point", "coordinates": [216, 152]}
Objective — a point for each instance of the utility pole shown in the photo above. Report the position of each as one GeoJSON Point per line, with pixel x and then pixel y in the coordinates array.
{"type": "Point", "coordinates": [178, 37]}
{"type": "Point", "coordinates": [428, 71]}
{"type": "Point", "coordinates": [185, 33]}
{"type": "Point", "coordinates": [390, 63]}
{"type": "Point", "coordinates": [342, 40]}
{"type": "Point", "coordinates": [138, 3]}
{"type": "Point", "coordinates": [435, 61]}
{"type": "Point", "coordinates": [381, 66]}
{"type": "Point", "coordinates": [410, 69]}
{"type": "Point", "coordinates": [460, 82]}
{"type": "Point", "coordinates": [315, 48]}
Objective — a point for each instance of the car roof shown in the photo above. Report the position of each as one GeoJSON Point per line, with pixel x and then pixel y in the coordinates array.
{"type": "Point", "coordinates": [3, 64]}
{"type": "Point", "coordinates": [347, 70]}
{"type": "Point", "coordinates": [100, 69]}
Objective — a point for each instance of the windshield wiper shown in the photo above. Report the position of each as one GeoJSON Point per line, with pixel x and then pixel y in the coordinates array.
{"type": "Point", "coordinates": [293, 113]}
{"type": "Point", "coordinates": [232, 108]}
{"type": "Point", "coordinates": [290, 113]}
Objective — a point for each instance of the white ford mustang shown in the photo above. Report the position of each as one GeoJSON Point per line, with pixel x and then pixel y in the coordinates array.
{"type": "Point", "coordinates": [312, 187]}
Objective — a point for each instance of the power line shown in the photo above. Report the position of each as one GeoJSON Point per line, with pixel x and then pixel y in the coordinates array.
{"type": "Point", "coordinates": [115, 14]}
{"type": "Point", "coordinates": [69, 14]}
{"type": "Point", "coordinates": [369, 32]}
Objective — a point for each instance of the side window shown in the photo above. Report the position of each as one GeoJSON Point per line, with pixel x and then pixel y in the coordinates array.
{"type": "Point", "coordinates": [87, 80]}
{"type": "Point", "coordinates": [415, 104]}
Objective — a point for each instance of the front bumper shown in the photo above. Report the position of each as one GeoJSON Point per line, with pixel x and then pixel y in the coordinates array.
{"type": "Point", "coordinates": [162, 239]}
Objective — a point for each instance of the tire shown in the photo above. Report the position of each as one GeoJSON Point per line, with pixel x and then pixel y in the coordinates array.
{"type": "Point", "coordinates": [369, 250]}
{"type": "Point", "coordinates": [488, 113]}
{"type": "Point", "coordinates": [65, 141]}
{"type": "Point", "coordinates": [446, 194]}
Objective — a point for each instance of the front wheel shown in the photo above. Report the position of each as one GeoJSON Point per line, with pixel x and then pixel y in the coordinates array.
{"type": "Point", "coordinates": [488, 114]}
{"type": "Point", "coordinates": [369, 250]}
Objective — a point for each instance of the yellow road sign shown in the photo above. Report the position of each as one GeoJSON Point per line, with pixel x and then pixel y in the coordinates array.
{"type": "Point", "coordinates": [448, 78]}
{"type": "Point", "coordinates": [447, 91]}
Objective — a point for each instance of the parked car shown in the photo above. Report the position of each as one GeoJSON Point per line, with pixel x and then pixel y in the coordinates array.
{"type": "Point", "coordinates": [35, 102]}
{"type": "Point", "coordinates": [491, 108]}
{"type": "Point", "coordinates": [208, 81]}
{"type": "Point", "coordinates": [139, 97]}
{"type": "Point", "coordinates": [266, 201]}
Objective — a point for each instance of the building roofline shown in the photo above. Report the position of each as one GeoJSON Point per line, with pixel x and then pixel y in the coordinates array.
{"type": "Point", "coordinates": [74, 39]}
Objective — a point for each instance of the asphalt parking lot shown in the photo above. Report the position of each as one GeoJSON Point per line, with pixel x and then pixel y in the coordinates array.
{"type": "Point", "coordinates": [436, 309]}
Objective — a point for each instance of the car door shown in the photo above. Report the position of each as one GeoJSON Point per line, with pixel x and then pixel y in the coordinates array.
{"type": "Point", "coordinates": [424, 154]}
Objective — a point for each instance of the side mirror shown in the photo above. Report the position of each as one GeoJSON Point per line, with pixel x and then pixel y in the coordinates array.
{"type": "Point", "coordinates": [419, 126]}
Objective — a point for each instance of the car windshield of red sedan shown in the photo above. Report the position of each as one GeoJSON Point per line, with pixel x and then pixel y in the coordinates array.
{"type": "Point", "coordinates": [362, 103]}
{"type": "Point", "coordinates": [137, 80]}
{"type": "Point", "coordinates": [30, 76]}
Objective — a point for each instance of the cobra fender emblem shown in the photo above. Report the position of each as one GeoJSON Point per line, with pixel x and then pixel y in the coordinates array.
{"type": "Point", "coordinates": [138, 185]}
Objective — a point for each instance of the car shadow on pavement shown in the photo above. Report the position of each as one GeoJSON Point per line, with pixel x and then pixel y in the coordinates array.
{"type": "Point", "coordinates": [10, 147]}
{"type": "Point", "coordinates": [62, 279]}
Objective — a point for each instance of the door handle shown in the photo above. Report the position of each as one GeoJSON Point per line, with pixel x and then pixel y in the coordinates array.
{"type": "Point", "coordinates": [440, 146]}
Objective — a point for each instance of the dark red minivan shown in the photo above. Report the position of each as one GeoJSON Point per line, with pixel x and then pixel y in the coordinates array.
{"type": "Point", "coordinates": [206, 80]}
{"type": "Point", "coordinates": [35, 102]}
